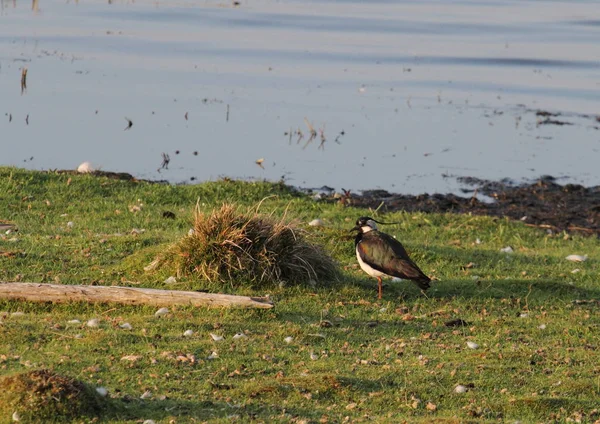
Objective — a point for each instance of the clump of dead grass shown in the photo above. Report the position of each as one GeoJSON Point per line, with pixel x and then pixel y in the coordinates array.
{"type": "Point", "coordinates": [44, 396]}
{"type": "Point", "coordinates": [230, 246]}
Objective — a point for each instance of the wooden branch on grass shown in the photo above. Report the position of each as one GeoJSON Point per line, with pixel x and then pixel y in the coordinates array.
{"type": "Point", "coordinates": [58, 293]}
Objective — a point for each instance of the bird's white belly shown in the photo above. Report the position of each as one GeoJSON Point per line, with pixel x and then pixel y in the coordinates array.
{"type": "Point", "coordinates": [367, 268]}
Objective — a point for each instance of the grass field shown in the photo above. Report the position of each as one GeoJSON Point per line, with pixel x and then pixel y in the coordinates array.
{"type": "Point", "coordinates": [533, 314]}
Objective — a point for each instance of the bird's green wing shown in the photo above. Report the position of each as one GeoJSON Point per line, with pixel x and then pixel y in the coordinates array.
{"type": "Point", "coordinates": [386, 254]}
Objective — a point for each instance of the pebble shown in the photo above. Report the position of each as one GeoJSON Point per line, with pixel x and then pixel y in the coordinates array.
{"type": "Point", "coordinates": [170, 280]}
{"type": "Point", "coordinates": [577, 258]}
{"type": "Point", "coordinates": [472, 345]}
{"type": "Point", "coordinates": [188, 333]}
{"type": "Point", "coordinates": [316, 223]}
{"type": "Point", "coordinates": [161, 312]}
{"type": "Point", "coordinates": [216, 337]}
{"type": "Point", "coordinates": [460, 389]}
{"type": "Point", "coordinates": [239, 336]}
{"type": "Point", "coordinates": [102, 391]}
{"type": "Point", "coordinates": [85, 167]}
{"type": "Point", "coordinates": [126, 326]}
{"type": "Point", "coordinates": [93, 323]}
{"type": "Point", "coordinates": [288, 339]}
{"type": "Point", "coordinates": [507, 249]}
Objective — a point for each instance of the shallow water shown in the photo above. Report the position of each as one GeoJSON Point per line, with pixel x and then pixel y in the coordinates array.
{"type": "Point", "coordinates": [416, 92]}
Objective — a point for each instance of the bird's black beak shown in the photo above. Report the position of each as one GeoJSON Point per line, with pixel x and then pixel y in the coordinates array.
{"type": "Point", "coordinates": [355, 228]}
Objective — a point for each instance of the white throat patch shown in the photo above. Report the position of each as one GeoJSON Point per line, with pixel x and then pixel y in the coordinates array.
{"type": "Point", "coordinates": [371, 225]}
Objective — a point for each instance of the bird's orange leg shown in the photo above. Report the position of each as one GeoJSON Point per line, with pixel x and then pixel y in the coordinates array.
{"type": "Point", "coordinates": [379, 284]}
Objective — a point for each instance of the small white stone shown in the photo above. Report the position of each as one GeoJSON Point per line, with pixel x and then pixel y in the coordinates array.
{"type": "Point", "coordinates": [575, 271]}
{"type": "Point", "coordinates": [213, 355]}
{"type": "Point", "coordinates": [523, 315]}
{"type": "Point", "coordinates": [161, 312]}
{"type": "Point", "coordinates": [188, 333]}
{"type": "Point", "coordinates": [73, 321]}
{"type": "Point", "coordinates": [102, 391]}
{"type": "Point", "coordinates": [70, 224]}
{"type": "Point", "coordinates": [507, 249]}
{"type": "Point", "coordinates": [170, 280]}
{"type": "Point", "coordinates": [478, 241]}
{"type": "Point", "coordinates": [577, 258]}
{"type": "Point", "coordinates": [191, 232]}
{"type": "Point", "coordinates": [288, 339]}
{"type": "Point", "coordinates": [460, 389]}
{"type": "Point", "coordinates": [314, 356]}
{"type": "Point", "coordinates": [93, 323]}
{"type": "Point", "coordinates": [16, 416]}
{"type": "Point", "coordinates": [239, 336]}
{"type": "Point", "coordinates": [472, 345]}
{"type": "Point", "coordinates": [146, 395]}
{"type": "Point", "coordinates": [216, 337]}
{"type": "Point", "coordinates": [316, 223]}
{"type": "Point", "coordinates": [137, 231]}
{"type": "Point", "coordinates": [542, 326]}
{"type": "Point", "coordinates": [85, 167]}
{"type": "Point", "coordinates": [126, 326]}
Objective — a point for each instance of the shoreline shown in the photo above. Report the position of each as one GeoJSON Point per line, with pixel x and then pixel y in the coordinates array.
{"type": "Point", "coordinates": [543, 203]}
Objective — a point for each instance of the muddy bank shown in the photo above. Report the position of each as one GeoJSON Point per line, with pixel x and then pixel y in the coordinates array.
{"type": "Point", "coordinates": [544, 203]}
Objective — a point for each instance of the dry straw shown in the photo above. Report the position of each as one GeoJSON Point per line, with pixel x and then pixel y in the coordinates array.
{"type": "Point", "coordinates": [234, 247]}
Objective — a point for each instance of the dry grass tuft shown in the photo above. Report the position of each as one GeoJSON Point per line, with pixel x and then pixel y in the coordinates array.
{"type": "Point", "coordinates": [43, 396]}
{"type": "Point", "coordinates": [230, 246]}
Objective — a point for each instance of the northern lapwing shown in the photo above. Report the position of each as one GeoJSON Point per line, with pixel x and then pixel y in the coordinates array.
{"type": "Point", "coordinates": [379, 254]}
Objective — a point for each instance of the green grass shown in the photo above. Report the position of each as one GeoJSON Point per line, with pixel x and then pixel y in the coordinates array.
{"type": "Point", "coordinates": [375, 361]}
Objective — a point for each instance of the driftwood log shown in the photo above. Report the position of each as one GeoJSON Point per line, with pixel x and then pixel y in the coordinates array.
{"type": "Point", "coordinates": [58, 293]}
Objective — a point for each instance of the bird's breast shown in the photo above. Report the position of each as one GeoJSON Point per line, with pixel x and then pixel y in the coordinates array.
{"type": "Point", "coordinates": [365, 266]}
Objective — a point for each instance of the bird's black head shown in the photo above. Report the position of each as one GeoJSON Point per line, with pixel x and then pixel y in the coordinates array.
{"type": "Point", "coordinates": [364, 224]}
